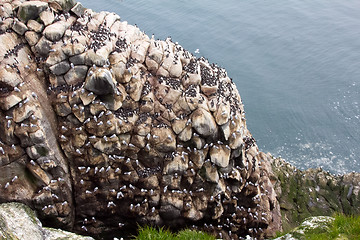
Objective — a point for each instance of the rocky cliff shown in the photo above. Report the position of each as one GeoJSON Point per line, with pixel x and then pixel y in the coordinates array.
{"type": "Point", "coordinates": [313, 192]}
{"type": "Point", "coordinates": [103, 128]}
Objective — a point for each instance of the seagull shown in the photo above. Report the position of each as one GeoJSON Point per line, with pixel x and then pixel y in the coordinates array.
{"type": "Point", "coordinates": [197, 51]}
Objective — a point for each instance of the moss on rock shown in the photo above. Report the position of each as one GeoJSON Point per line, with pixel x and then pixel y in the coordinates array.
{"type": "Point", "coordinates": [313, 192]}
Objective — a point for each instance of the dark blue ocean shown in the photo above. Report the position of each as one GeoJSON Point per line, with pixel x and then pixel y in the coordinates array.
{"type": "Point", "coordinates": [296, 64]}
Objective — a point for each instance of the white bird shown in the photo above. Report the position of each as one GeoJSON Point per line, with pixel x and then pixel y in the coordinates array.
{"type": "Point", "coordinates": [119, 194]}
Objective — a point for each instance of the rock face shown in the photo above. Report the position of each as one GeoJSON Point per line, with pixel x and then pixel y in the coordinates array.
{"type": "Point", "coordinates": [133, 129]}
{"type": "Point", "coordinates": [18, 221]}
{"type": "Point", "coordinates": [313, 192]}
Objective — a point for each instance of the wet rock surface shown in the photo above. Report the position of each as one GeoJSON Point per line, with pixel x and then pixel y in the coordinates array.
{"type": "Point", "coordinates": [103, 128]}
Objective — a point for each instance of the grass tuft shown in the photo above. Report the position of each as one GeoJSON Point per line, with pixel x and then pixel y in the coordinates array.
{"type": "Point", "coordinates": [188, 234]}
{"type": "Point", "coordinates": [151, 233]}
{"type": "Point", "coordinates": [348, 226]}
{"type": "Point", "coordinates": [341, 228]}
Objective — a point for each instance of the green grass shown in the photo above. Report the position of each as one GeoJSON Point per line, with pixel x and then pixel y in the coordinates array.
{"type": "Point", "coordinates": [150, 233]}
{"type": "Point", "coordinates": [348, 226]}
{"type": "Point", "coordinates": [193, 235]}
{"type": "Point", "coordinates": [344, 227]}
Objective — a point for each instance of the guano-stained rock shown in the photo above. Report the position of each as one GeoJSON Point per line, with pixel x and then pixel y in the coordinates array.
{"type": "Point", "coordinates": [203, 122]}
{"type": "Point", "coordinates": [133, 130]}
{"type": "Point", "coordinates": [100, 82]}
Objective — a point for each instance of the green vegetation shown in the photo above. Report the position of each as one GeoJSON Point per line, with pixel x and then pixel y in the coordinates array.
{"type": "Point", "coordinates": [150, 233]}
{"type": "Point", "coordinates": [345, 226]}
{"type": "Point", "coordinates": [313, 192]}
{"type": "Point", "coordinates": [193, 235]}
{"type": "Point", "coordinates": [338, 227]}
{"type": "Point", "coordinates": [341, 227]}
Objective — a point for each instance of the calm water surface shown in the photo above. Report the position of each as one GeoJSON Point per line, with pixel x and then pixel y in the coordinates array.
{"type": "Point", "coordinates": [296, 65]}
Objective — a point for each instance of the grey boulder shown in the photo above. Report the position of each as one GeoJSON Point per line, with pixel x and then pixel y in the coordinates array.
{"type": "Point", "coordinates": [31, 10]}
{"type": "Point", "coordinates": [100, 81]}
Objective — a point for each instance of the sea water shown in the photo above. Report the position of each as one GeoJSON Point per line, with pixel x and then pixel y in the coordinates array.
{"type": "Point", "coordinates": [296, 64]}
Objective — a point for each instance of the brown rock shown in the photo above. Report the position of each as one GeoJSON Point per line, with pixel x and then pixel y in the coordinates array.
{"type": "Point", "coordinates": [40, 174]}
{"type": "Point", "coordinates": [9, 101]}
{"type": "Point", "coordinates": [86, 97]}
{"type": "Point", "coordinates": [66, 5]}
{"type": "Point", "coordinates": [185, 134]}
{"type": "Point", "coordinates": [63, 109]}
{"type": "Point", "coordinates": [76, 74]}
{"type": "Point", "coordinates": [8, 77]}
{"type": "Point", "coordinates": [35, 26]}
{"type": "Point", "coordinates": [179, 164]}
{"type": "Point", "coordinates": [203, 123]}
{"type": "Point", "coordinates": [101, 82]}
{"type": "Point", "coordinates": [43, 46]}
{"type": "Point", "coordinates": [211, 172]}
{"type": "Point", "coordinates": [56, 81]}
{"type": "Point", "coordinates": [163, 139]}
{"type": "Point", "coordinates": [32, 38]}
{"type": "Point", "coordinates": [220, 155]}
{"type": "Point", "coordinates": [135, 87]}
{"type": "Point", "coordinates": [78, 59]}
{"type": "Point", "coordinates": [222, 114]}
{"type": "Point", "coordinates": [139, 50]}
{"type": "Point", "coordinates": [47, 17]}
{"type": "Point", "coordinates": [60, 68]}
{"type": "Point", "coordinates": [19, 27]}
{"type": "Point", "coordinates": [37, 151]}
{"type": "Point", "coordinates": [73, 49]}
{"type": "Point", "coordinates": [56, 55]}
{"type": "Point", "coordinates": [55, 31]}
{"type": "Point", "coordinates": [121, 73]}
{"type": "Point", "coordinates": [25, 111]}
